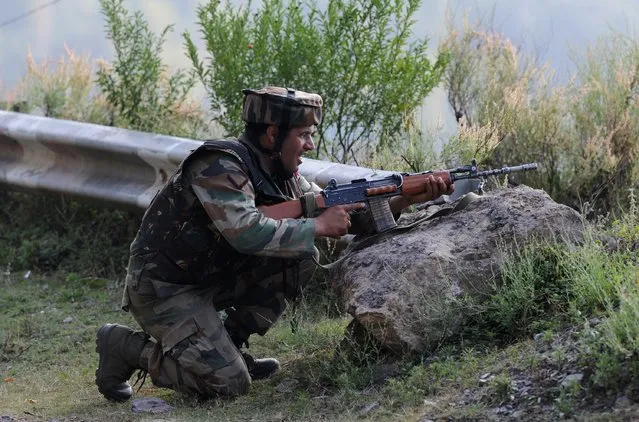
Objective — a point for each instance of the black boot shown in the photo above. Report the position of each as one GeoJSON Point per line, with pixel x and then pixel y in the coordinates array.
{"type": "Point", "coordinates": [120, 349]}
{"type": "Point", "coordinates": [260, 368]}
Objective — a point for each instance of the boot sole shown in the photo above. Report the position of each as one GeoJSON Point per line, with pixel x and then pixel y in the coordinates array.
{"type": "Point", "coordinates": [101, 344]}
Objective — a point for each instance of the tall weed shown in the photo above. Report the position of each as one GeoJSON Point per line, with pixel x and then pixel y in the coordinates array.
{"type": "Point", "coordinates": [421, 150]}
{"type": "Point", "coordinates": [62, 89]}
{"type": "Point", "coordinates": [530, 295]}
{"type": "Point", "coordinates": [138, 85]}
{"type": "Point", "coordinates": [595, 278]}
{"type": "Point", "coordinates": [583, 133]}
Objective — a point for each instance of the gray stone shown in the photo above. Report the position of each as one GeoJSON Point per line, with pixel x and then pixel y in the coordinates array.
{"type": "Point", "coordinates": [485, 378]}
{"type": "Point", "coordinates": [369, 408]}
{"type": "Point", "coordinates": [622, 402]}
{"type": "Point", "coordinates": [400, 289]}
{"type": "Point", "coordinates": [150, 405]}
{"type": "Point", "coordinates": [571, 379]}
{"type": "Point", "coordinates": [287, 385]}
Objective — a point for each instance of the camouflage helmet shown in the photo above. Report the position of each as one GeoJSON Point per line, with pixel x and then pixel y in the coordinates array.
{"type": "Point", "coordinates": [281, 107]}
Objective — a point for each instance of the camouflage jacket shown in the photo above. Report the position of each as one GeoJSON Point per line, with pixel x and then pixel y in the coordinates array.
{"type": "Point", "coordinates": [204, 223]}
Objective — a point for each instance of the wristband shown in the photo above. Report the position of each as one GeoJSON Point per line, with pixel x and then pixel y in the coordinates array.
{"type": "Point", "coordinates": [308, 204]}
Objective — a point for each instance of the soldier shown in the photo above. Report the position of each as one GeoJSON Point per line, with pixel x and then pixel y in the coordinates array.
{"type": "Point", "coordinates": [204, 246]}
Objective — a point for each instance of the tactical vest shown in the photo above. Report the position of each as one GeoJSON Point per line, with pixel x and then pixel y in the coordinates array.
{"type": "Point", "coordinates": [177, 239]}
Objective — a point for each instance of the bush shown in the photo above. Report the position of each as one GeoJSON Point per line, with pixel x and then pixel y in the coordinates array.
{"type": "Point", "coordinates": [355, 54]}
{"type": "Point", "coordinates": [532, 294]}
{"type": "Point", "coordinates": [137, 84]}
{"type": "Point", "coordinates": [62, 90]}
{"type": "Point", "coordinates": [68, 236]}
{"type": "Point", "coordinates": [591, 288]}
{"type": "Point", "coordinates": [582, 134]}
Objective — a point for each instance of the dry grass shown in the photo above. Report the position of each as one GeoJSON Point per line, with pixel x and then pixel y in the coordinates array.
{"type": "Point", "coordinates": [583, 133]}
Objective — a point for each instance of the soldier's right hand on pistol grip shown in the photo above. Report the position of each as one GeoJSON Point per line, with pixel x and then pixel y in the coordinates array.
{"type": "Point", "coordinates": [335, 221]}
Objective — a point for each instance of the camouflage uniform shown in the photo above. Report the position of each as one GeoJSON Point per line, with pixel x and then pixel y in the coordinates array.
{"type": "Point", "coordinates": [203, 247]}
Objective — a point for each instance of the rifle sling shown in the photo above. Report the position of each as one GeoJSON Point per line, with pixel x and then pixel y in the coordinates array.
{"type": "Point", "coordinates": [462, 203]}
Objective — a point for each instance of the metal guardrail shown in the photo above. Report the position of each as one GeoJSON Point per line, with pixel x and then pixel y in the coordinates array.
{"type": "Point", "coordinates": [120, 167]}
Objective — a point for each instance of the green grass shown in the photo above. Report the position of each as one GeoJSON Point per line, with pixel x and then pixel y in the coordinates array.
{"type": "Point", "coordinates": [47, 367]}
{"type": "Point", "coordinates": [49, 233]}
{"type": "Point", "coordinates": [581, 303]}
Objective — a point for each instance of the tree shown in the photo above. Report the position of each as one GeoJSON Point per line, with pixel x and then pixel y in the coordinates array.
{"type": "Point", "coordinates": [137, 83]}
{"type": "Point", "coordinates": [355, 54]}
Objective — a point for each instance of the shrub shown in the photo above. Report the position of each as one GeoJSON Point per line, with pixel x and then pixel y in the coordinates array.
{"type": "Point", "coordinates": [67, 236]}
{"type": "Point", "coordinates": [531, 295]}
{"type": "Point", "coordinates": [582, 133]}
{"type": "Point", "coordinates": [354, 53]}
{"type": "Point", "coordinates": [62, 90]}
{"type": "Point", "coordinates": [137, 84]}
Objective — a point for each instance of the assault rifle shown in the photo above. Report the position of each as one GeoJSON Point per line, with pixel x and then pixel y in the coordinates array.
{"type": "Point", "coordinates": [375, 193]}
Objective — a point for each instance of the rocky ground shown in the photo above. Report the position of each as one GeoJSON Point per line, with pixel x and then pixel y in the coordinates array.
{"type": "Point", "coordinates": [551, 389]}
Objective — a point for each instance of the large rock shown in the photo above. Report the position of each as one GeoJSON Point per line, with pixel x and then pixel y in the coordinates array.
{"type": "Point", "coordinates": [399, 289]}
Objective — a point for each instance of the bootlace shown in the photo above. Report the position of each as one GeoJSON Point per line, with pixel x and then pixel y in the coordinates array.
{"type": "Point", "coordinates": [250, 361]}
{"type": "Point", "coordinates": [140, 375]}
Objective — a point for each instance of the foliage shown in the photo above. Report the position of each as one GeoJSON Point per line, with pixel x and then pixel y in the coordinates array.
{"type": "Point", "coordinates": [605, 112]}
{"type": "Point", "coordinates": [422, 149]}
{"type": "Point", "coordinates": [441, 373]}
{"type": "Point", "coordinates": [137, 83]}
{"type": "Point", "coordinates": [70, 236]}
{"type": "Point", "coordinates": [553, 286]}
{"type": "Point", "coordinates": [532, 295]}
{"type": "Point", "coordinates": [63, 91]}
{"type": "Point", "coordinates": [484, 68]}
{"type": "Point", "coordinates": [355, 54]}
{"type": "Point", "coordinates": [581, 133]}
{"type": "Point", "coordinates": [607, 287]}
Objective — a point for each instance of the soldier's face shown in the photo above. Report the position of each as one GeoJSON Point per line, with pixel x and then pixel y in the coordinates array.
{"type": "Point", "coordinates": [298, 142]}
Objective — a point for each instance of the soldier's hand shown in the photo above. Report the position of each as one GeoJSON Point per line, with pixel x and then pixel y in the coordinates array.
{"type": "Point", "coordinates": [433, 189]}
{"type": "Point", "coordinates": [335, 221]}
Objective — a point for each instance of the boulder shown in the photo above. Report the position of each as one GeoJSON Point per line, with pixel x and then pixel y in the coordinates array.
{"type": "Point", "coordinates": [400, 287]}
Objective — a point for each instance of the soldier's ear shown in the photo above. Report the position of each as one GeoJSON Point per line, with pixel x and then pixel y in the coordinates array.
{"type": "Point", "coordinates": [271, 136]}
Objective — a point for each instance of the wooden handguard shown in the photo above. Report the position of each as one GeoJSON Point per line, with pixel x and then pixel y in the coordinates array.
{"type": "Point", "coordinates": [414, 184]}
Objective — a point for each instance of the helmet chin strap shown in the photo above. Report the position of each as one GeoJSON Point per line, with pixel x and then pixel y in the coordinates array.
{"type": "Point", "coordinates": [276, 154]}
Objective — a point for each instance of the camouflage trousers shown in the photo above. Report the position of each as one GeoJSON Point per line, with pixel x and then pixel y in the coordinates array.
{"type": "Point", "coordinates": [194, 351]}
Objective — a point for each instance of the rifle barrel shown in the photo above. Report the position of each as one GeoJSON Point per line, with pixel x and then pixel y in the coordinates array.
{"type": "Point", "coordinates": [503, 170]}
{"type": "Point", "coordinates": [506, 170]}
